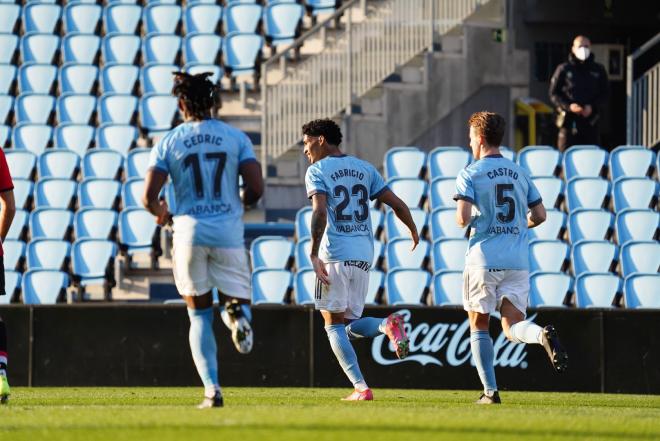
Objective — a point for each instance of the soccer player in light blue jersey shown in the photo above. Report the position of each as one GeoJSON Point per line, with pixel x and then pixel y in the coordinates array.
{"type": "Point", "coordinates": [204, 158]}
{"type": "Point", "coordinates": [499, 201]}
{"type": "Point", "coordinates": [340, 187]}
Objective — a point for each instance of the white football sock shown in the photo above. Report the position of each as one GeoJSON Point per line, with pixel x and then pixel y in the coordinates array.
{"type": "Point", "coordinates": [526, 332]}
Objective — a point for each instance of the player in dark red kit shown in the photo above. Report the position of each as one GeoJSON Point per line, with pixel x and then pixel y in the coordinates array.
{"type": "Point", "coordinates": [7, 211]}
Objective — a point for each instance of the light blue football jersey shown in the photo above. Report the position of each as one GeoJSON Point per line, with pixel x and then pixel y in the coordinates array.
{"type": "Point", "coordinates": [502, 191]}
{"type": "Point", "coordinates": [202, 159]}
{"type": "Point", "coordinates": [349, 183]}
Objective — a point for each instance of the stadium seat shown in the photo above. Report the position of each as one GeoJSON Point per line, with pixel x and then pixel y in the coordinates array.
{"type": "Point", "coordinates": [74, 137]}
{"type": "Point", "coordinates": [580, 161]}
{"type": "Point", "coordinates": [411, 190]}
{"type": "Point", "coordinates": [17, 228]}
{"type": "Point", "coordinates": [23, 189]}
{"type": "Point", "coordinates": [80, 48]}
{"type": "Point", "coordinates": [36, 78]}
{"type": "Point", "coordinates": [50, 254]}
{"type": "Point", "coordinates": [551, 189]}
{"type": "Point", "coordinates": [508, 153]}
{"type": "Point", "coordinates": [34, 108]}
{"type": "Point", "coordinates": [282, 23]}
{"type": "Point", "coordinates": [117, 109]}
{"type": "Point", "coordinates": [447, 162]}
{"type": "Point", "coordinates": [5, 135]}
{"type": "Point", "coordinates": [120, 48]}
{"type": "Point", "coordinates": [304, 287]}
{"type": "Point", "coordinates": [593, 256]}
{"type": "Point", "coordinates": [58, 163]}
{"type": "Point", "coordinates": [131, 192]}
{"type": "Point", "coordinates": [317, 7]}
{"type": "Point", "coordinates": [302, 251]}
{"type": "Point", "coordinates": [92, 261]}
{"type": "Point", "coordinates": [274, 252]}
{"type": "Point", "coordinates": [157, 78]}
{"type": "Point", "coordinates": [640, 257]}
{"type": "Point", "coordinates": [8, 46]}
{"type": "Point", "coordinates": [637, 193]}
{"type": "Point", "coordinates": [118, 137]}
{"type": "Point", "coordinates": [102, 163]}
{"type": "Point", "coordinates": [121, 18]}
{"type": "Point", "coordinates": [448, 288]}
{"type": "Point", "coordinates": [32, 137]}
{"type": "Point", "coordinates": [8, 74]}
{"type": "Point", "coordinates": [161, 18]}
{"type": "Point", "coordinates": [216, 71]}
{"type": "Point", "coordinates": [548, 289]}
{"type": "Point", "coordinates": [240, 52]}
{"type": "Point", "coordinates": [632, 162]}
{"type": "Point", "coordinates": [399, 255]}
{"type": "Point", "coordinates": [379, 252]}
{"type": "Point", "coordinates": [634, 224]}
{"type": "Point", "coordinates": [13, 253]}
{"type": "Point", "coordinates": [75, 109]}
{"type": "Point", "coordinates": [548, 255]}
{"type": "Point", "coordinates": [6, 107]}
{"type": "Point", "coordinates": [641, 291]}
{"type": "Point", "coordinates": [137, 229]}
{"type": "Point", "coordinates": [161, 48]}
{"type": "Point", "coordinates": [407, 286]}
{"type": "Point", "coordinates": [12, 283]}
{"type": "Point", "coordinates": [50, 223]}
{"type": "Point", "coordinates": [202, 18]}
{"type": "Point", "coordinates": [377, 221]}
{"type": "Point", "coordinates": [21, 163]}
{"type": "Point", "coordinates": [441, 193]}
{"type": "Point", "coordinates": [242, 18]}
{"type": "Point", "coordinates": [540, 160]}
{"type": "Point", "coordinates": [157, 112]}
{"type": "Point", "coordinates": [77, 78]}
{"type": "Point", "coordinates": [40, 17]}
{"type": "Point", "coordinates": [137, 163]}
{"type": "Point", "coordinates": [202, 48]}
{"type": "Point", "coordinates": [44, 287]}
{"type": "Point", "coordinates": [95, 223]}
{"type": "Point", "coordinates": [54, 193]}
{"type": "Point", "coordinates": [119, 78]}
{"type": "Point", "coordinates": [443, 224]}
{"type": "Point", "coordinates": [270, 286]}
{"type": "Point", "coordinates": [302, 223]}
{"type": "Point", "coordinates": [587, 193]}
{"type": "Point", "coordinates": [396, 229]}
{"type": "Point", "coordinates": [596, 290]}
{"type": "Point", "coordinates": [82, 17]}
{"type": "Point", "coordinates": [39, 48]}
{"type": "Point", "coordinates": [449, 254]}
{"type": "Point", "coordinates": [99, 193]}
{"type": "Point", "coordinates": [590, 225]}
{"type": "Point", "coordinates": [9, 15]}
{"type": "Point", "coordinates": [376, 284]}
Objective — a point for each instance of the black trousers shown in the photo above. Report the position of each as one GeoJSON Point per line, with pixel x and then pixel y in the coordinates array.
{"type": "Point", "coordinates": [577, 131]}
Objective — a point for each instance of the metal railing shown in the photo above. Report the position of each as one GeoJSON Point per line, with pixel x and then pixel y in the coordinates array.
{"type": "Point", "coordinates": [351, 62]}
{"type": "Point", "coordinates": [643, 96]}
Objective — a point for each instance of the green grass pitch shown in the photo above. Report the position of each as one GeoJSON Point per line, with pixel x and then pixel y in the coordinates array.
{"type": "Point", "coordinates": [317, 414]}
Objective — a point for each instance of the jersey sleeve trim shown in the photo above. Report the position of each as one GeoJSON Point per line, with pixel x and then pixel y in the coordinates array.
{"type": "Point", "coordinates": [157, 169]}
{"type": "Point", "coordinates": [247, 161]}
{"type": "Point", "coordinates": [379, 193]}
{"type": "Point", "coordinates": [535, 203]}
{"type": "Point", "coordinates": [461, 197]}
{"type": "Point", "coordinates": [314, 192]}
{"type": "Point", "coordinates": [7, 189]}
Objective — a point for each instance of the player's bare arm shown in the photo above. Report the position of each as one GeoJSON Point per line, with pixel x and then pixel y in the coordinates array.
{"type": "Point", "coordinates": [536, 216]}
{"type": "Point", "coordinates": [463, 213]}
{"type": "Point", "coordinates": [7, 211]}
{"type": "Point", "coordinates": [319, 222]}
{"type": "Point", "coordinates": [401, 211]}
{"type": "Point", "coordinates": [154, 182]}
{"type": "Point", "coordinates": [254, 182]}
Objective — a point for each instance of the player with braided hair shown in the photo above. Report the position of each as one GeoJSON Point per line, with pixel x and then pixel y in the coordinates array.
{"type": "Point", "coordinates": [204, 157]}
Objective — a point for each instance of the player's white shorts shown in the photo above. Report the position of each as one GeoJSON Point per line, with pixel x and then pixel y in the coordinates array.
{"type": "Point", "coordinates": [349, 282]}
{"type": "Point", "coordinates": [198, 269]}
{"type": "Point", "coordinates": [484, 289]}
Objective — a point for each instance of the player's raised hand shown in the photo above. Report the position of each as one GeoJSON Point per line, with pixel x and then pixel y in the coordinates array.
{"type": "Point", "coordinates": [415, 238]}
{"type": "Point", "coordinates": [319, 269]}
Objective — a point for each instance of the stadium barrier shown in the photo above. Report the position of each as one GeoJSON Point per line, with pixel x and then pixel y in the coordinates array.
{"type": "Point", "coordinates": [147, 345]}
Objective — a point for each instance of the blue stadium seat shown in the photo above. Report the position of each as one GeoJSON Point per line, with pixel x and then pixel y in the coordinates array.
{"type": "Point", "coordinates": [157, 78]}
{"type": "Point", "coordinates": [6, 107]}
{"type": "Point", "coordinates": [8, 46]}
{"type": "Point", "coordinates": [593, 256]}
{"type": "Point", "coordinates": [270, 286]}
{"type": "Point", "coordinates": [596, 290]}
{"type": "Point", "coordinates": [317, 7]}
{"type": "Point", "coordinates": [131, 192]}
{"type": "Point", "coordinates": [80, 48]}
{"type": "Point", "coordinates": [102, 163]}
{"type": "Point", "coordinates": [82, 17]}
{"type": "Point", "coordinates": [161, 18]}
{"type": "Point", "coordinates": [447, 162]}
{"type": "Point", "coordinates": [548, 289]}
{"type": "Point", "coordinates": [242, 18]}
{"type": "Point", "coordinates": [36, 78]}
{"type": "Point", "coordinates": [303, 248]}
{"type": "Point", "coordinates": [304, 287]}
{"type": "Point", "coordinates": [91, 261]}
{"type": "Point", "coordinates": [8, 74]}
{"type": "Point", "coordinates": [120, 48]}
{"type": "Point", "coordinates": [379, 253]}
{"type": "Point", "coordinates": [590, 225]}
{"type": "Point", "coordinates": [641, 291]}
{"type": "Point", "coordinates": [161, 48]}
{"type": "Point", "coordinates": [117, 109]}
{"type": "Point", "coordinates": [40, 17]}
{"type": "Point", "coordinates": [58, 163]}
{"type": "Point", "coordinates": [551, 189]}
{"type": "Point", "coordinates": [540, 160]}
{"type": "Point", "coordinates": [196, 68]}
{"type": "Point", "coordinates": [240, 52]}
{"type": "Point", "coordinates": [9, 14]}
{"type": "Point", "coordinates": [54, 193]}
{"type": "Point", "coordinates": [377, 221]}
{"type": "Point", "coordinates": [202, 48]}
{"type": "Point", "coordinates": [5, 135]}
{"type": "Point", "coordinates": [12, 283]}
{"type": "Point", "coordinates": [396, 229]}
{"type": "Point", "coordinates": [634, 224]}
{"type": "Point", "coordinates": [448, 288]}
{"type": "Point", "coordinates": [203, 18]}
{"type": "Point", "coordinates": [23, 189]}
{"type": "Point", "coordinates": [404, 162]}
{"type": "Point", "coordinates": [443, 224]}
{"type": "Point", "coordinates": [273, 252]}
{"type": "Point", "coordinates": [412, 191]}
{"type": "Point", "coordinates": [75, 109]}
{"type": "Point", "coordinates": [640, 257]}
{"type": "Point", "coordinates": [631, 161]}
{"type": "Point", "coordinates": [75, 137]}
{"type": "Point", "coordinates": [95, 223]}
{"type": "Point", "coordinates": [32, 137]}
{"type": "Point", "coordinates": [508, 153]}
{"type": "Point", "coordinates": [121, 18]}
{"type": "Point", "coordinates": [21, 163]}
{"type": "Point", "coordinates": [449, 254]}
{"type": "Point", "coordinates": [302, 223]}
{"type": "Point", "coordinates": [282, 23]}
{"type": "Point", "coordinates": [118, 137]}
{"type": "Point", "coordinates": [39, 48]}
{"type": "Point", "coordinates": [137, 228]}
{"type": "Point", "coordinates": [441, 193]}
{"type": "Point", "coordinates": [157, 112]}
{"type": "Point", "coordinates": [399, 255]}
{"type": "Point", "coordinates": [119, 78]}
{"type": "Point", "coordinates": [18, 225]}
{"type": "Point", "coordinates": [137, 163]}
{"type": "Point", "coordinates": [34, 108]}
{"type": "Point", "coordinates": [587, 193]}
{"type": "Point", "coordinates": [548, 255]}
{"type": "Point", "coordinates": [407, 286]}
{"type": "Point", "coordinates": [49, 254]}
{"type": "Point", "coordinates": [376, 284]}
{"type": "Point", "coordinates": [50, 223]}
{"type": "Point", "coordinates": [77, 78]}
{"type": "Point", "coordinates": [13, 253]}
{"type": "Point", "coordinates": [635, 193]}
{"type": "Point", "coordinates": [584, 161]}
{"type": "Point", "coordinates": [99, 193]}
{"type": "Point", "coordinates": [44, 287]}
